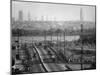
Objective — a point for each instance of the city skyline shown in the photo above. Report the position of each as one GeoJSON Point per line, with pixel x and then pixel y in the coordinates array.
{"type": "Point", "coordinates": [52, 12]}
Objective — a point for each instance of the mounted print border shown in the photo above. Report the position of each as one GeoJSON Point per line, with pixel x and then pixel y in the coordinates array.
{"type": "Point", "coordinates": [52, 37]}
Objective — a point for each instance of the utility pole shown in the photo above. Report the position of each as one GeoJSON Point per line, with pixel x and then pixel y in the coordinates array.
{"type": "Point", "coordinates": [51, 35]}
{"type": "Point", "coordinates": [60, 40]}
{"type": "Point", "coordinates": [17, 45]}
{"type": "Point", "coordinates": [64, 42]}
{"type": "Point", "coordinates": [81, 46]}
{"type": "Point", "coordinates": [57, 40]}
{"type": "Point", "coordinates": [81, 19]}
{"type": "Point", "coordinates": [45, 36]}
{"type": "Point", "coordinates": [51, 32]}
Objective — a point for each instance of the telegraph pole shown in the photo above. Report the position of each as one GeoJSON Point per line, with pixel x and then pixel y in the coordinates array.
{"type": "Point", "coordinates": [64, 42]}
{"type": "Point", "coordinates": [57, 40]}
{"type": "Point", "coordinates": [81, 18]}
{"type": "Point", "coordinates": [51, 36]}
{"type": "Point", "coordinates": [17, 45]}
{"type": "Point", "coordinates": [45, 36]}
{"type": "Point", "coordinates": [60, 40]}
{"type": "Point", "coordinates": [81, 46]}
{"type": "Point", "coordinates": [51, 33]}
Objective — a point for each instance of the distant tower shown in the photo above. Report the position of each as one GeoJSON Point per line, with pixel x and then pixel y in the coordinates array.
{"type": "Point", "coordinates": [29, 19]}
{"type": "Point", "coordinates": [20, 17]}
{"type": "Point", "coordinates": [81, 15]}
{"type": "Point", "coordinates": [42, 18]}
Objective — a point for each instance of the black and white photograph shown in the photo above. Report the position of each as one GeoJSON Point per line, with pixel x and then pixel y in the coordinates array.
{"type": "Point", "coordinates": [52, 37]}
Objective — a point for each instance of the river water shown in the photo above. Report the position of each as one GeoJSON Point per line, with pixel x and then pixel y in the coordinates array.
{"type": "Point", "coordinates": [29, 39]}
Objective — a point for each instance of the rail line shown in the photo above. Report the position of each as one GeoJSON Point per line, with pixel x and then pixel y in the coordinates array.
{"type": "Point", "coordinates": [50, 67]}
{"type": "Point", "coordinates": [59, 57]}
{"type": "Point", "coordinates": [41, 61]}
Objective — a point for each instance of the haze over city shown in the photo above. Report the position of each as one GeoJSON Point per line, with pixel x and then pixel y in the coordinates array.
{"type": "Point", "coordinates": [46, 11]}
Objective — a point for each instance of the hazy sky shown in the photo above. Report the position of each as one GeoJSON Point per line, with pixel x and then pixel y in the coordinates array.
{"type": "Point", "coordinates": [52, 11]}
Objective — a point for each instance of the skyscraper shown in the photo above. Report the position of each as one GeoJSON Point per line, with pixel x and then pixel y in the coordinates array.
{"type": "Point", "coordinates": [81, 14]}
{"type": "Point", "coordinates": [29, 19]}
{"type": "Point", "coordinates": [20, 17]}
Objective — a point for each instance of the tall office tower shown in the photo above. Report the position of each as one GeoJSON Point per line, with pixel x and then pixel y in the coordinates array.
{"type": "Point", "coordinates": [29, 18]}
{"type": "Point", "coordinates": [20, 17]}
{"type": "Point", "coordinates": [81, 15]}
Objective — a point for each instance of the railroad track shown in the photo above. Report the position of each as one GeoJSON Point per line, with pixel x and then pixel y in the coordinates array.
{"type": "Point", "coordinates": [41, 61]}
{"type": "Point", "coordinates": [50, 67]}
{"type": "Point", "coordinates": [60, 58]}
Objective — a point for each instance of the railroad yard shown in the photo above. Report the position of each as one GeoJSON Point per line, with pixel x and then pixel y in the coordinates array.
{"type": "Point", "coordinates": [37, 57]}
